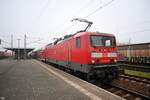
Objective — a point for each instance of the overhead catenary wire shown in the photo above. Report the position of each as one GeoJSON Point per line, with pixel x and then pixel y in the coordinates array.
{"type": "Point", "coordinates": [39, 43]}
{"type": "Point", "coordinates": [43, 9]}
{"type": "Point", "coordinates": [82, 8]}
{"type": "Point", "coordinates": [79, 10]}
{"type": "Point", "coordinates": [146, 30]}
{"type": "Point", "coordinates": [5, 42]}
{"type": "Point", "coordinates": [99, 8]}
{"type": "Point", "coordinates": [70, 26]}
{"type": "Point", "coordinates": [34, 41]}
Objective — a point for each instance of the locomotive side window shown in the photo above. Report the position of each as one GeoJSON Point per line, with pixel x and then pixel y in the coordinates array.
{"type": "Point", "coordinates": [78, 42]}
{"type": "Point", "coordinates": [98, 41]}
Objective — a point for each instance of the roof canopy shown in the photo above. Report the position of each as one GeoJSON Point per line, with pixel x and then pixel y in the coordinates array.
{"type": "Point", "coordinates": [21, 52]}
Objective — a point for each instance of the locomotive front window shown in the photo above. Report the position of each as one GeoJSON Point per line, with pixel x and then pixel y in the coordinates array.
{"type": "Point", "coordinates": [107, 41]}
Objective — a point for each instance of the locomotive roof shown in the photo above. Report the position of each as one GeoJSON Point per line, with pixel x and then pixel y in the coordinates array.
{"type": "Point", "coordinates": [77, 35]}
{"type": "Point", "coordinates": [93, 33]}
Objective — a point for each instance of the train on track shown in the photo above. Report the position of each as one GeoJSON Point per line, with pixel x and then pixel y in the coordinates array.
{"type": "Point", "coordinates": [92, 54]}
{"type": "Point", "coordinates": [135, 53]}
{"type": "Point", "coordinates": [5, 54]}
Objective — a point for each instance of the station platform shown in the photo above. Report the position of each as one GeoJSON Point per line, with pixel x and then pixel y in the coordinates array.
{"type": "Point", "coordinates": [34, 80]}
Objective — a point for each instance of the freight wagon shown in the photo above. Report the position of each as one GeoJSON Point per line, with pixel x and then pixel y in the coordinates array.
{"type": "Point", "coordinates": [135, 53]}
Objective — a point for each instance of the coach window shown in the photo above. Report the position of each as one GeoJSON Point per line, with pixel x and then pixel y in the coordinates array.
{"type": "Point", "coordinates": [78, 42]}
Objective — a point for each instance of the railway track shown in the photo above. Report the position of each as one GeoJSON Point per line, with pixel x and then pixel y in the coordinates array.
{"type": "Point", "coordinates": [124, 86]}
{"type": "Point", "coordinates": [121, 90]}
{"type": "Point", "coordinates": [138, 86]}
{"type": "Point", "coordinates": [124, 93]}
{"type": "Point", "coordinates": [138, 79]}
{"type": "Point", "coordinates": [135, 67]}
{"type": "Point", "coordinates": [134, 64]}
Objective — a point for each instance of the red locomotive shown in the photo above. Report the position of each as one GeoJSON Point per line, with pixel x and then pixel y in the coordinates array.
{"type": "Point", "coordinates": [93, 54]}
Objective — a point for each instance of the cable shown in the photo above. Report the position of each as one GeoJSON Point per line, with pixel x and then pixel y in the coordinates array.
{"type": "Point", "coordinates": [70, 26]}
{"type": "Point", "coordinates": [34, 41]}
{"type": "Point", "coordinates": [82, 8]}
{"type": "Point", "coordinates": [29, 37]}
{"type": "Point", "coordinates": [5, 42]}
{"type": "Point", "coordinates": [39, 43]}
{"type": "Point", "coordinates": [43, 8]}
{"type": "Point", "coordinates": [139, 31]}
{"type": "Point", "coordinates": [99, 8]}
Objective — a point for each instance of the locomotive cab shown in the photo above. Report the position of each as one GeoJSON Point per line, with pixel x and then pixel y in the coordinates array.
{"type": "Point", "coordinates": [103, 49]}
{"type": "Point", "coordinates": [103, 56]}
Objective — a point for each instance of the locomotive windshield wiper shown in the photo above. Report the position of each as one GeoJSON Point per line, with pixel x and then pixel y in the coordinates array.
{"type": "Point", "coordinates": [84, 20]}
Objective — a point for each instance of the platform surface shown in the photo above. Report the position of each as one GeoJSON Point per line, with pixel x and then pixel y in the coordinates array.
{"type": "Point", "coordinates": [32, 80]}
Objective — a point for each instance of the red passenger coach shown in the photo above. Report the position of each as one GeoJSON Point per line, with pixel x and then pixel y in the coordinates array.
{"type": "Point", "coordinates": [41, 54]}
{"type": "Point", "coordinates": [91, 53]}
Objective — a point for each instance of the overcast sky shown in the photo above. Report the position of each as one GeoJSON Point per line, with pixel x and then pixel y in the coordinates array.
{"type": "Point", "coordinates": [43, 20]}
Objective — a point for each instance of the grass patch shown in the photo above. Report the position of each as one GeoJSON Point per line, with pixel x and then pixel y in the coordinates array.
{"type": "Point", "coordinates": [137, 73]}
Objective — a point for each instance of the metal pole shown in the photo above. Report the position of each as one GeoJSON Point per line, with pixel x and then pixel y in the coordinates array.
{"type": "Point", "coordinates": [18, 48]}
{"type": "Point", "coordinates": [12, 44]}
{"type": "Point", "coordinates": [25, 52]}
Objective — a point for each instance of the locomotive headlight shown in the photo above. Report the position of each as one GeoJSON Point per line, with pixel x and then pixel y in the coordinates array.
{"type": "Point", "coordinates": [115, 60]}
{"type": "Point", "coordinates": [93, 61]}
{"type": "Point", "coordinates": [96, 55]}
